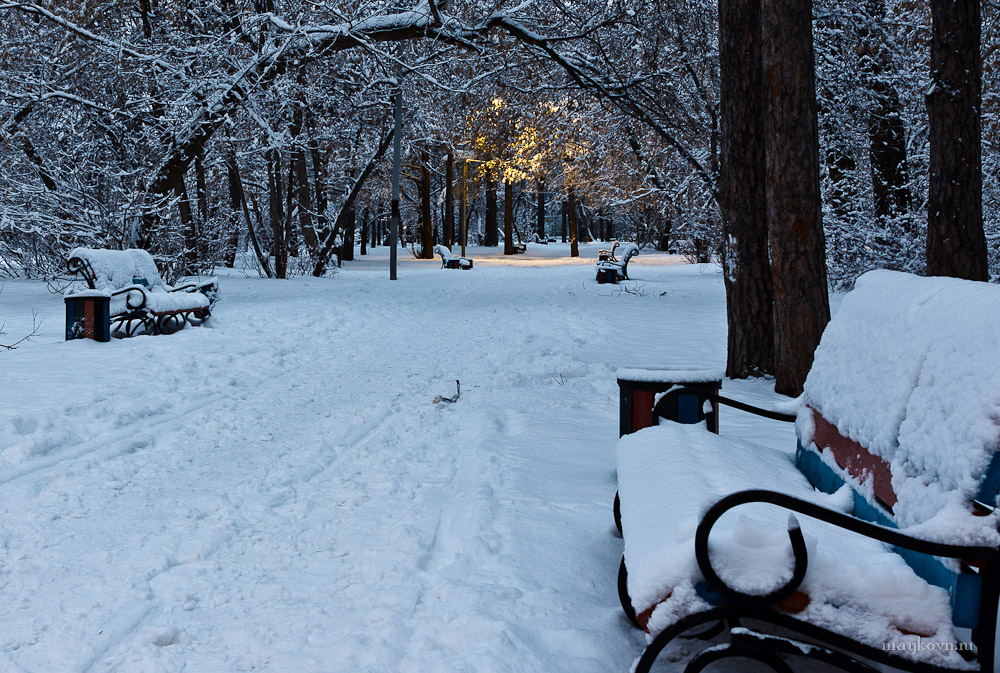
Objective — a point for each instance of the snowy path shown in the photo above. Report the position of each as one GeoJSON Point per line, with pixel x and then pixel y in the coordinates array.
{"type": "Point", "coordinates": [277, 492]}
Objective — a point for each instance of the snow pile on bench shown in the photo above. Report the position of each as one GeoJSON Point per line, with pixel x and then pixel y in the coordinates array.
{"type": "Point", "coordinates": [117, 269]}
{"type": "Point", "coordinates": [671, 473]}
{"type": "Point", "coordinates": [910, 369]}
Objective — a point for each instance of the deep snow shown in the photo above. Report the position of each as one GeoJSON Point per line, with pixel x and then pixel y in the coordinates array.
{"type": "Point", "coordinates": [275, 491]}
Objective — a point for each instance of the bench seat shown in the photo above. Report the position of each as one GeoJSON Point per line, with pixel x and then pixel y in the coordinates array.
{"type": "Point", "coordinates": [683, 469]}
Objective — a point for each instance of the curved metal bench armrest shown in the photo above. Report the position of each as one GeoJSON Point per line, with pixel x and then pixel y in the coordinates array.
{"type": "Point", "coordinates": [81, 266]}
{"type": "Point", "coordinates": [128, 292]}
{"type": "Point", "coordinates": [847, 522]}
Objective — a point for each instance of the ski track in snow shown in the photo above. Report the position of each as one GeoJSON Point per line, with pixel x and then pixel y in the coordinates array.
{"type": "Point", "coordinates": [276, 492]}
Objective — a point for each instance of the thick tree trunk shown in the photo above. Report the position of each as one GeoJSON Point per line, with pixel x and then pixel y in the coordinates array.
{"type": "Point", "coordinates": [508, 218]}
{"type": "Point", "coordinates": [449, 200]}
{"type": "Point", "coordinates": [956, 244]}
{"type": "Point", "coordinates": [743, 193]}
{"type": "Point", "coordinates": [540, 227]}
{"type": "Point", "coordinates": [794, 208]}
{"type": "Point", "coordinates": [574, 246]}
{"type": "Point", "coordinates": [490, 236]}
{"type": "Point", "coordinates": [426, 223]}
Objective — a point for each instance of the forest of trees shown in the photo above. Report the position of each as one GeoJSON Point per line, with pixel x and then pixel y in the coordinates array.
{"type": "Point", "coordinates": [258, 132]}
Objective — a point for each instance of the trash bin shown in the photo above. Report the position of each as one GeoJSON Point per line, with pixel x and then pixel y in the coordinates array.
{"type": "Point", "coordinates": [88, 316]}
{"type": "Point", "coordinates": [638, 390]}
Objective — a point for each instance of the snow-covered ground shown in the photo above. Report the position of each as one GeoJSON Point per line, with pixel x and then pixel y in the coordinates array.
{"type": "Point", "coordinates": [276, 491]}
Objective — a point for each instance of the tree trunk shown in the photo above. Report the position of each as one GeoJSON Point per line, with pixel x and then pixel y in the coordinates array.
{"type": "Point", "coordinates": [886, 133]}
{"type": "Point", "coordinates": [565, 220]}
{"type": "Point", "coordinates": [190, 255]}
{"type": "Point", "coordinates": [490, 237]}
{"type": "Point", "coordinates": [276, 213]}
{"type": "Point", "coordinates": [743, 193]}
{"type": "Point", "coordinates": [449, 200]}
{"type": "Point", "coordinates": [364, 232]}
{"type": "Point", "coordinates": [794, 208]}
{"type": "Point", "coordinates": [322, 225]}
{"type": "Point", "coordinates": [508, 218]}
{"type": "Point", "coordinates": [540, 230]}
{"type": "Point", "coordinates": [574, 246]}
{"type": "Point", "coordinates": [239, 200]}
{"type": "Point", "coordinates": [956, 244]}
{"type": "Point", "coordinates": [426, 223]}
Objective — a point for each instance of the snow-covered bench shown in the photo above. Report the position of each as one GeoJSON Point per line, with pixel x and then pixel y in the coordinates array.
{"type": "Point", "coordinates": [125, 294]}
{"type": "Point", "coordinates": [611, 271]}
{"type": "Point", "coordinates": [606, 255]}
{"type": "Point", "coordinates": [898, 437]}
{"type": "Point", "coordinates": [449, 261]}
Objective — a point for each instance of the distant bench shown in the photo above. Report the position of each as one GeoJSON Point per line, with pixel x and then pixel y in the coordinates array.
{"type": "Point", "coordinates": [449, 261]}
{"type": "Point", "coordinates": [611, 269]}
{"type": "Point", "coordinates": [898, 438]}
{"type": "Point", "coordinates": [125, 294]}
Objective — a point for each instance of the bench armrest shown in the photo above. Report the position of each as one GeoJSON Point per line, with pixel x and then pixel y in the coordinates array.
{"type": "Point", "coordinates": [847, 522]}
{"type": "Point", "coordinates": [715, 398]}
{"type": "Point", "coordinates": [135, 296]}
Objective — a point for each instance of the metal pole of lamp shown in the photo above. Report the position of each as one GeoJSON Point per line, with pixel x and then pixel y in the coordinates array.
{"type": "Point", "coordinates": [397, 114]}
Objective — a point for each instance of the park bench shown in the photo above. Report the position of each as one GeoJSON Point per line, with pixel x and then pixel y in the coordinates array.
{"type": "Point", "coordinates": [449, 261]}
{"type": "Point", "coordinates": [125, 294]}
{"type": "Point", "coordinates": [520, 248]}
{"type": "Point", "coordinates": [896, 471]}
{"type": "Point", "coordinates": [605, 255]}
{"type": "Point", "coordinates": [612, 270]}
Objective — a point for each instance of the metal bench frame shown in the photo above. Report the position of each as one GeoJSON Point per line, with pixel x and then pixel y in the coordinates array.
{"type": "Point", "coordinates": [818, 643]}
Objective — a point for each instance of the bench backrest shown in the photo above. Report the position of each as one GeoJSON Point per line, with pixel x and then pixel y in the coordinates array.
{"type": "Point", "coordinates": [628, 252]}
{"type": "Point", "coordinates": [111, 270]}
{"type": "Point", "coordinates": [443, 250]}
{"type": "Point", "coordinates": [909, 369]}
{"type": "Point", "coordinates": [903, 403]}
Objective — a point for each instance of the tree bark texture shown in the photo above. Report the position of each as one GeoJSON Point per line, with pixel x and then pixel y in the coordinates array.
{"type": "Point", "coordinates": [794, 208]}
{"type": "Point", "coordinates": [743, 192]}
{"type": "Point", "coordinates": [956, 244]}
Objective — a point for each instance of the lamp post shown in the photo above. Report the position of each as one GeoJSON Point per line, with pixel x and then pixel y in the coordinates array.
{"type": "Point", "coordinates": [397, 114]}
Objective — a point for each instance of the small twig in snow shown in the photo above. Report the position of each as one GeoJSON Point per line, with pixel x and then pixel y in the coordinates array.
{"type": "Point", "coordinates": [441, 398]}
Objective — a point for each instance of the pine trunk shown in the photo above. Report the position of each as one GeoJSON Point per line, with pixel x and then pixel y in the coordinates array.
{"type": "Point", "coordinates": [956, 244]}
{"type": "Point", "coordinates": [794, 208]}
{"type": "Point", "coordinates": [743, 193]}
